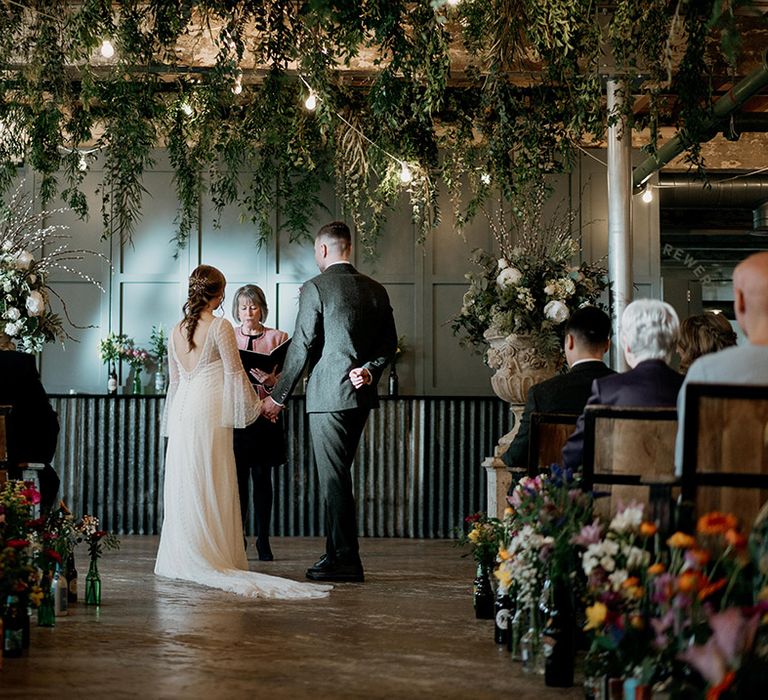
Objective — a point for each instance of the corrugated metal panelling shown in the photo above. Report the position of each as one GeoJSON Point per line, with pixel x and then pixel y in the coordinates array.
{"type": "Point", "coordinates": [417, 472]}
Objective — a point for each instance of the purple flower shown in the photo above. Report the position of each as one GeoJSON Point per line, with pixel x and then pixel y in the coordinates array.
{"type": "Point", "coordinates": [590, 534]}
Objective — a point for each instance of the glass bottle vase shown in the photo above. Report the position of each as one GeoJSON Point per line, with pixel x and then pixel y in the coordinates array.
{"type": "Point", "coordinates": [136, 387]}
{"type": "Point", "coordinates": [482, 593]}
{"type": "Point", "coordinates": [93, 584]}
{"type": "Point", "coordinates": [46, 611]}
{"type": "Point", "coordinates": [530, 643]}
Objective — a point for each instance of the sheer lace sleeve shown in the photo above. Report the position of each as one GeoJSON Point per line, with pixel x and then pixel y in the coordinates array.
{"type": "Point", "coordinates": [242, 405]}
{"type": "Point", "coordinates": [173, 383]}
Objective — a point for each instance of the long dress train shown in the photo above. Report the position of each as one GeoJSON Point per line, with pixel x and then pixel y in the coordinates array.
{"type": "Point", "coordinates": [202, 534]}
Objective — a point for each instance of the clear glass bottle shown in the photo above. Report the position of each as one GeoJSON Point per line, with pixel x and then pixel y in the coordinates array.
{"type": "Point", "coordinates": [60, 589]}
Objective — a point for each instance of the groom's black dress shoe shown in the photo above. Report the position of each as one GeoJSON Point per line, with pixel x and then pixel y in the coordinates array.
{"type": "Point", "coordinates": [320, 564]}
{"type": "Point", "coordinates": [264, 550]}
{"type": "Point", "coordinates": [336, 571]}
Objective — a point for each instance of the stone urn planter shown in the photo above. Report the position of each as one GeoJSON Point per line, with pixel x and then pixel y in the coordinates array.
{"type": "Point", "coordinates": [518, 366]}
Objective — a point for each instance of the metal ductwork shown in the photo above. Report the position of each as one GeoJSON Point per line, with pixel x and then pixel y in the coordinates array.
{"type": "Point", "coordinates": [721, 110]}
{"type": "Point", "coordinates": [686, 191]}
{"type": "Point", "coordinates": [760, 219]}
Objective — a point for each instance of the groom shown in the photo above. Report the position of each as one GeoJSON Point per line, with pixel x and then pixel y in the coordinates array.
{"type": "Point", "coordinates": [345, 333]}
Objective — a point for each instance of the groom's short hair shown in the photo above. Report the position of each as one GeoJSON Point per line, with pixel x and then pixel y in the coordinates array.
{"type": "Point", "coordinates": [338, 233]}
{"type": "Point", "coordinates": [590, 325]}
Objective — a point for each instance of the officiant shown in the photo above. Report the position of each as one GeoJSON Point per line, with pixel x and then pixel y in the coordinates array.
{"type": "Point", "coordinates": [261, 446]}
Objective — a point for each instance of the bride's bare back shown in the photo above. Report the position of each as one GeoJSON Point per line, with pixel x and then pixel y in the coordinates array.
{"type": "Point", "coordinates": [190, 357]}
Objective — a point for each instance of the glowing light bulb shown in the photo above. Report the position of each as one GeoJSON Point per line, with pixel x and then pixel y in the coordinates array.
{"type": "Point", "coordinates": [187, 108]}
{"type": "Point", "coordinates": [107, 50]}
{"type": "Point", "coordinates": [82, 164]}
{"type": "Point", "coordinates": [311, 102]}
{"type": "Point", "coordinates": [647, 195]}
{"type": "Point", "coordinates": [405, 173]}
{"type": "Point", "coordinates": [485, 178]}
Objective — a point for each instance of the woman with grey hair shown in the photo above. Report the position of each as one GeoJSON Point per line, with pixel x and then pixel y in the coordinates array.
{"type": "Point", "coordinates": [261, 446]}
{"type": "Point", "coordinates": [649, 330]}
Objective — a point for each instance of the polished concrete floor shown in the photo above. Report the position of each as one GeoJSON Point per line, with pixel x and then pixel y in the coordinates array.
{"type": "Point", "coordinates": [408, 632]}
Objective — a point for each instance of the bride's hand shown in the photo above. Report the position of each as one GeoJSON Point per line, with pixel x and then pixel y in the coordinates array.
{"type": "Point", "coordinates": [268, 380]}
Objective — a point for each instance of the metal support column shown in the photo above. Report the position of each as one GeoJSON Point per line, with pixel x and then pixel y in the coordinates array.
{"type": "Point", "coordinates": [619, 216]}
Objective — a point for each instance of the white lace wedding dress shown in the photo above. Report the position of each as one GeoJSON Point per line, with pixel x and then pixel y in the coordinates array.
{"type": "Point", "coordinates": [202, 535]}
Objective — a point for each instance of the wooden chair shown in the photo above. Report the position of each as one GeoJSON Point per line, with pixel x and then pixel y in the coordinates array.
{"type": "Point", "coordinates": [548, 434]}
{"type": "Point", "coordinates": [4, 411]}
{"type": "Point", "coordinates": [631, 450]}
{"type": "Point", "coordinates": [725, 449]}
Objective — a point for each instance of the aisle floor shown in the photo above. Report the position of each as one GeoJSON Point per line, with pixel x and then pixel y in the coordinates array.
{"type": "Point", "coordinates": [408, 632]}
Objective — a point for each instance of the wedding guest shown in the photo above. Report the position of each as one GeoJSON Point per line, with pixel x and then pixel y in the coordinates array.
{"type": "Point", "coordinates": [648, 335]}
{"type": "Point", "coordinates": [32, 426]}
{"type": "Point", "coordinates": [587, 338]}
{"type": "Point", "coordinates": [260, 446]}
{"type": "Point", "coordinates": [701, 335]}
{"type": "Point", "coordinates": [345, 333]}
{"type": "Point", "coordinates": [741, 364]}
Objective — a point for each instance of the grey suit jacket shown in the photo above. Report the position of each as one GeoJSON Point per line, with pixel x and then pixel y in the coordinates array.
{"type": "Point", "coordinates": [344, 321]}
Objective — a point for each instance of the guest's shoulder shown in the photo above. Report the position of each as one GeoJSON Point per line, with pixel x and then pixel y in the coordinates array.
{"type": "Point", "coordinates": [17, 361]}
{"type": "Point", "coordinates": [274, 336]}
{"type": "Point", "coordinates": [731, 361]}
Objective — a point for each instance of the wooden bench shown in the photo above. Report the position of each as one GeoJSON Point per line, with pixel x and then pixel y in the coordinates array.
{"type": "Point", "coordinates": [725, 449]}
{"type": "Point", "coordinates": [631, 450]}
{"type": "Point", "coordinates": [548, 434]}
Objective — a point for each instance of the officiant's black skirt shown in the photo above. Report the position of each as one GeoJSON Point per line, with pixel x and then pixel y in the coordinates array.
{"type": "Point", "coordinates": [262, 443]}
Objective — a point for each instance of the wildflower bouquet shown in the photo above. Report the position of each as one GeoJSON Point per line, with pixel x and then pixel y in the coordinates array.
{"type": "Point", "coordinates": [530, 287]}
{"type": "Point", "coordinates": [18, 574]}
{"type": "Point", "coordinates": [30, 250]}
{"type": "Point", "coordinates": [484, 536]}
{"type": "Point", "coordinates": [97, 540]}
{"type": "Point", "coordinates": [112, 347]}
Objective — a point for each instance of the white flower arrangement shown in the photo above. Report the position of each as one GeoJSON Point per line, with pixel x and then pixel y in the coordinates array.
{"type": "Point", "coordinates": [532, 285]}
{"type": "Point", "coordinates": [30, 251]}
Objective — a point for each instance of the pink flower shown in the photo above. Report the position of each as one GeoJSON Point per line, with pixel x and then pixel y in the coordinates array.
{"type": "Point", "coordinates": [590, 534]}
{"type": "Point", "coordinates": [732, 635]}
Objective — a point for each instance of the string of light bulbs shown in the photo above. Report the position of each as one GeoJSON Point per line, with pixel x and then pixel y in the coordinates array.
{"type": "Point", "coordinates": [311, 104]}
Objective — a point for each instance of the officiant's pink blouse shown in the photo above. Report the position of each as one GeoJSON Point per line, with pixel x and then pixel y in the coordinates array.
{"type": "Point", "coordinates": [263, 343]}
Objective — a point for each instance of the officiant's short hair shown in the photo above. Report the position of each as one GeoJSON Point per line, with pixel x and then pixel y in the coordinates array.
{"type": "Point", "coordinates": [338, 232]}
{"type": "Point", "coordinates": [255, 295]}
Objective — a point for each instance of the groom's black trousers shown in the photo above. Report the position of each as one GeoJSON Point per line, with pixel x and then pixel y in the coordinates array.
{"type": "Point", "coordinates": [335, 437]}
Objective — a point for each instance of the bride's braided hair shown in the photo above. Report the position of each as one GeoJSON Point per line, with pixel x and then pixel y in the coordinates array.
{"type": "Point", "coordinates": [205, 283]}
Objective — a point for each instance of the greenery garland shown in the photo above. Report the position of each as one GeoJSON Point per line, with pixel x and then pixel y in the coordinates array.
{"type": "Point", "coordinates": [493, 131]}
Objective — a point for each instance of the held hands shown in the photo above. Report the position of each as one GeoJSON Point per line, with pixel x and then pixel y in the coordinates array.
{"type": "Point", "coordinates": [270, 410]}
{"type": "Point", "coordinates": [360, 377]}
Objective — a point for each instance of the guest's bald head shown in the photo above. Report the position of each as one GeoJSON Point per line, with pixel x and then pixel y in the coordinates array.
{"type": "Point", "coordinates": [750, 297]}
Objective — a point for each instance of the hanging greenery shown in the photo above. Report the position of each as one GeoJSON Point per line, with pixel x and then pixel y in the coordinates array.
{"type": "Point", "coordinates": [391, 119]}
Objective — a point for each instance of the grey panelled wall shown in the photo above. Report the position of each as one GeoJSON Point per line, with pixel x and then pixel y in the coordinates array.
{"type": "Point", "coordinates": [417, 472]}
{"type": "Point", "coordinates": [426, 282]}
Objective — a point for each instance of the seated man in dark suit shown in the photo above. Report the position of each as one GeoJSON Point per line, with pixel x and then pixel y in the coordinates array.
{"type": "Point", "coordinates": [649, 329]}
{"type": "Point", "coordinates": [587, 338]}
{"type": "Point", "coordinates": [32, 426]}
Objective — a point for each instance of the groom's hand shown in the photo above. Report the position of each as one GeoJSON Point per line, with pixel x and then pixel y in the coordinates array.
{"type": "Point", "coordinates": [270, 410]}
{"type": "Point", "coordinates": [360, 377]}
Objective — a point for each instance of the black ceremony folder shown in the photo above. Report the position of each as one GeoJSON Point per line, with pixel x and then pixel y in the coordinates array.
{"type": "Point", "coordinates": [265, 362]}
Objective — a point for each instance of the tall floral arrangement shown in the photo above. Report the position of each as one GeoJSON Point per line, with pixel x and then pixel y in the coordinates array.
{"type": "Point", "coordinates": [30, 251]}
{"type": "Point", "coordinates": [530, 286]}
{"type": "Point", "coordinates": [18, 574]}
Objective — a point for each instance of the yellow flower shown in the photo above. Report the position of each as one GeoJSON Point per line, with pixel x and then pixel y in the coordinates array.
{"type": "Point", "coordinates": [504, 577]}
{"type": "Point", "coordinates": [681, 541]}
{"type": "Point", "coordinates": [504, 554]}
{"type": "Point", "coordinates": [36, 596]}
{"type": "Point", "coordinates": [596, 615]}
{"type": "Point", "coordinates": [508, 511]}
{"type": "Point", "coordinates": [473, 536]}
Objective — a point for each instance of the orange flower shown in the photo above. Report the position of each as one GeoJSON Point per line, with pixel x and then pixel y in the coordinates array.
{"type": "Point", "coordinates": [656, 569]}
{"type": "Point", "coordinates": [735, 539]}
{"type": "Point", "coordinates": [716, 691]}
{"type": "Point", "coordinates": [698, 557]}
{"type": "Point", "coordinates": [631, 582]}
{"type": "Point", "coordinates": [648, 529]}
{"type": "Point", "coordinates": [711, 588]}
{"type": "Point", "coordinates": [690, 581]}
{"type": "Point", "coordinates": [715, 523]}
{"type": "Point", "coordinates": [681, 541]}
{"type": "Point", "coordinates": [637, 622]}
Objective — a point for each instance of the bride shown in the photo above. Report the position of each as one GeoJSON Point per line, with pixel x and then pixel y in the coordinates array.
{"type": "Point", "coordinates": [208, 396]}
